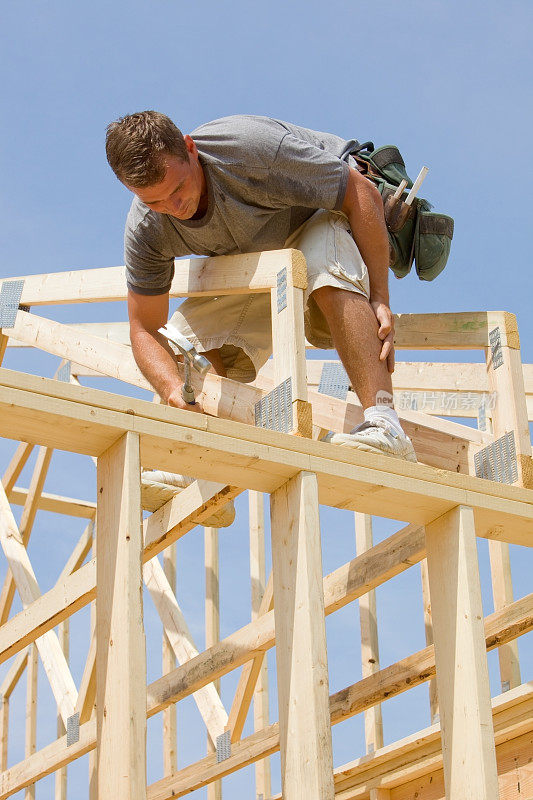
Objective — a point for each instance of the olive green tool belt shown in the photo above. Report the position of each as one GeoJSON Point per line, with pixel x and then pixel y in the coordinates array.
{"type": "Point", "coordinates": [416, 233]}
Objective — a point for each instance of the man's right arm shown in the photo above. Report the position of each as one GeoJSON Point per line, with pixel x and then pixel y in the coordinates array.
{"type": "Point", "coordinates": [151, 350]}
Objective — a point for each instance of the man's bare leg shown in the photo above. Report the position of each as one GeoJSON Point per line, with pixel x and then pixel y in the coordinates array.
{"type": "Point", "coordinates": [354, 329]}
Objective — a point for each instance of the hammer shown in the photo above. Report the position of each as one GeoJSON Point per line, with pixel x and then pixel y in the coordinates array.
{"type": "Point", "coordinates": [190, 358]}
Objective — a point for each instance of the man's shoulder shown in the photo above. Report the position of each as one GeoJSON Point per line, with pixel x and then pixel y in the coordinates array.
{"type": "Point", "coordinates": [230, 139]}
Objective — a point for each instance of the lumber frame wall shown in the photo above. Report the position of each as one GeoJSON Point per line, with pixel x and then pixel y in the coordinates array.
{"type": "Point", "coordinates": [444, 504]}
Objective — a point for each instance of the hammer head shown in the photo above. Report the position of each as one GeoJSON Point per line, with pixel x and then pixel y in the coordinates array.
{"type": "Point", "coordinates": [188, 351]}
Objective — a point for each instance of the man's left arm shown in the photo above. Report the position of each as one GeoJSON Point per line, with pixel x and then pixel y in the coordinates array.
{"type": "Point", "coordinates": [364, 208]}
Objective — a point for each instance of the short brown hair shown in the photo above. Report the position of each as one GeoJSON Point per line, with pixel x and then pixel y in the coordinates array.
{"type": "Point", "coordinates": [137, 144]}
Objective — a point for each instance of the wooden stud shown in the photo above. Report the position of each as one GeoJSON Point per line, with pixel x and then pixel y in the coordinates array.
{"type": "Point", "coordinates": [369, 636]}
{"type": "Point", "coordinates": [502, 592]}
{"type": "Point", "coordinates": [288, 345]}
{"type": "Point", "coordinates": [91, 659]}
{"type": "Point", "coordinates": [462, 673]}
{"type": "Point", "coordinates": [263, 784]}
{"type": "Point", "coordinates": [121, 647]}
{"type": "Point", "coordinates": [212, 623]}
{"type": "Point", "coordinates": [428, 628]}
{"type": "Point", "coordinates": [305, 735]}
{"type": "Point", "coordinates": [3, 346]}
{"type": "Point", "coordinates": [508, 414]}
{"type": "Point", "coordinates": [510, 411]}
{"type": "Point", "coordinates": [170, 751]}
{"type": "Point", "coordinates": [4, 732]}
{"type": "Point", "coordinates": [61, 774]}
{"type": "Point", "coordinates": [31, 712]}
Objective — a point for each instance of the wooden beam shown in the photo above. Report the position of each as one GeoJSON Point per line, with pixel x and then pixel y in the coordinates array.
{"type": "Point", "coordinates": [419, 755]}
{"type": "Point", "coordinates": [369, 635]}
{"type": "Point", "coordinates": [499, 627]}
{"type": "Point", "coordinates": [502, 593]}
{"type": "Point", "coordinates": [80, 552]}
{"type": "Point", "coordinates": [239, 274]}
{"type": "Point", "coordinates": [121, 647]}
{"type": "Point", "coordinates": [207, 698]}
{"type": "Point", "coordinates": [262, 460]}
{"type": "Point", "coordinates": [55, 503]}
{"type": "Point", "coordinates": [69, 595]}
{"type": "Point", "coordinates": [48, 610]}
{"type": "Point", "coordinates": [3, 346]}
{"type": "Point", "coordinates": [428, 628]}
{"type": "Point", "coordinates": [465, 330]}
{"type": "Point", "coordinates": [170, 743]}
{"type": "Point", "coordinates": [263, 782]}
{"type": "Point", "coordinates": [390, 681]}
{"type": "Point", "coordinates": [301, 656]}
{"type": "Point", "coordinates": [87, 695]}
{"type": "Point", "coordinates": [16, 465]}
{"type": "Point", "coordinates": [442, 443]}
{"type": "Point", "coordinates": [14, 674]}
{"type": "Point", "coordinates": [47, 760]}
{"type": "Point", "coordinates": [53, 659]}
{"type": "Point", "coordinates": [288, 343]}
{"type": "Point", "coordinates": [26, 524]}
{"type": "Point", "coordinates": [506, 381]}
{"type": "Point", "coordinates": [212, 625]}
{"type": "Point", "coordinates": [462, 672]}
{"type": "Point", "coordinates": [388, 558]}
{"type": "Point", "coordinates": [61, 774]}
{"type": "Point", "coordinates": [251, 672]}
{"type": "Point", "coordinates": [31, 711]}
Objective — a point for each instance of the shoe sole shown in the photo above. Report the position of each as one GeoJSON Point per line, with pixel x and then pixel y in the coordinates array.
{"type": "Point", "coordinates": [368, 448]}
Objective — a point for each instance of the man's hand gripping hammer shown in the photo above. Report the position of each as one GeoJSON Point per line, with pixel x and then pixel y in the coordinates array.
{"type": "Point", "coordinates": [190, 358]}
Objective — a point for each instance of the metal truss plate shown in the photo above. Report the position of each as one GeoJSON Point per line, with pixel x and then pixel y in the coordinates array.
{"type": "Point", "coordinates": [223, 746]}
{"type": "Point", "coordinates": [10, 295]}
{"type": "Point", "coordinates": [482, 418]}
{"type": "Point", "coordinates": [282, 289]}
{"type": "Point", "coordinates": [496, 348]}
{"type": "Point", "coordinates": [63, 374]}
{"type": "Point", "coordinates": [334, 380]}
{"type": "Point", "coordinates": [73, 729]}
{"type": "Point", "coordinates": [274, 410]}
{"type": "Point", "coordinates": [497, 461]}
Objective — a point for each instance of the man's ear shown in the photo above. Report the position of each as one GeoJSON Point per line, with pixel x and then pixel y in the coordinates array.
{"type": "Point", "coordinates": [191, 146]}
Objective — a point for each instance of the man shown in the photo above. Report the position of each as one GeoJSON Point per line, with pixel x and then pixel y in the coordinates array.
{"type": "Point", "coordinates": [245, 184]}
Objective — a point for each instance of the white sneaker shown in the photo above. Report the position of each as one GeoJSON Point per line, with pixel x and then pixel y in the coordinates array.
{"type": "Point", "coordinates": [376, 436]}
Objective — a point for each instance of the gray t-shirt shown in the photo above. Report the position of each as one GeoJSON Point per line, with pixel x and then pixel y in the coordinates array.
{"type": "Point", "coordinates": [264, 179]}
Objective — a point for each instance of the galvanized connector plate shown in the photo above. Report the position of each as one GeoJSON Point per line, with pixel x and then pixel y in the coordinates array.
{"type": "Point", "coordinates": [223, 746]}
{"type": "Point", "coordinates": [274, 410]}
{"type": "Point", "coordinates": [482, 418]}
{"type": "Point", "coordinates": [281, 280]}
{"type": "Point", "coordinates": [497, 461]}
{"type": "Point", "coordinates": [63, 373]}
{"type": "Point", "coordinates": [496, 348]}
{"type": "Point", "coordinates": [73, 729]}
{"type": "Point", "coordinates": [334, 380]}
{"type": "Point", "coordinates": [10, 295]}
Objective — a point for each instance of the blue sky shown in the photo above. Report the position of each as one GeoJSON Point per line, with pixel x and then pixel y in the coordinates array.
{"type": "Point", "coordinates": [448, 82]}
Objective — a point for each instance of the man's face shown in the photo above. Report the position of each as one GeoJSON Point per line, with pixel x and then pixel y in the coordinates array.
{"type": "Point", "coordinates": [182, 192]}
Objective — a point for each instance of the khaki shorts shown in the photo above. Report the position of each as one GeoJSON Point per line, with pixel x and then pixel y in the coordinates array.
{"type": "Point", "coordinates": [239, 325]}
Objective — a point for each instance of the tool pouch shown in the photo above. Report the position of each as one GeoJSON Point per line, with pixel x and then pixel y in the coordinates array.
{"type": "Point", "coordinates": [433, 239]}
{"type": "Point", "coordinates": [416, 233]}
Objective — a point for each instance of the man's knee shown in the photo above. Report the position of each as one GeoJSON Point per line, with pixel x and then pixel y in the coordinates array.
{"type": "Point", "coordinates": [330, 297]}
